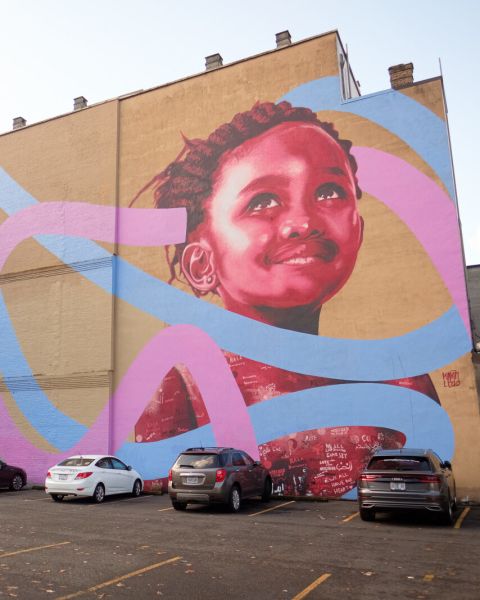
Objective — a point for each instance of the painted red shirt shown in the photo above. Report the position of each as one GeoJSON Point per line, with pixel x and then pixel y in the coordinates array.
{"type": "Point", "coordinates": [319, 462]}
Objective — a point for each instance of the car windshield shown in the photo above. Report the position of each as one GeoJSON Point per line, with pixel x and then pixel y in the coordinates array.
{"type": "Point", "coordinates": [399, 463]}
{"type": "Point", "coordinates": [198, 461]}
{"type": "Point", "coordinates": [76, 462]}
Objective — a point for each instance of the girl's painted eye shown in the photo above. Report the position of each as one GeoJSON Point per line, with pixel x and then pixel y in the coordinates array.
{"type": "Point", "coordinates": [262, 202]}
{"type": "Point", "coordinates": [330, 191]}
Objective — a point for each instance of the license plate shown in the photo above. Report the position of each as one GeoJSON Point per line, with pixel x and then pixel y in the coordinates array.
{"type": "Point", "coordinates": [62, 477]}
{"type": "Point", "coordinates": [397, 485]}
{"type": "Point", "coordinates": [192, 480]}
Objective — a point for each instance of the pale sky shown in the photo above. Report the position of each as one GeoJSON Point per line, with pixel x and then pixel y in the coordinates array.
{"type": "Point", "coordinates": [54, 50]}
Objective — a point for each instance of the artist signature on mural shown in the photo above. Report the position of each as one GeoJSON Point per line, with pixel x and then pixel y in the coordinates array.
{"type": "Point", "coordinates": [451, 378]}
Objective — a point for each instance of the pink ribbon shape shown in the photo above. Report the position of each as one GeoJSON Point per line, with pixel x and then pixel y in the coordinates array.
{"type": "Point", "coordinates": [184, 344]}
{"type": "Point", "coordinates": [425, 208]}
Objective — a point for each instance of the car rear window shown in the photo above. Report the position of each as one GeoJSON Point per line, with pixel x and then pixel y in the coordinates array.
{"type": "Point", "coordinates": [399, 463]}
{"type": "Point", "coordinates": [198, 461]}
{"type": "Point", "coordinates": [76, 462]}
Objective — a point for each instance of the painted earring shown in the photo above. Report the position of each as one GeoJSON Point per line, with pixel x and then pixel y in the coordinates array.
{"type": "Point", "coordinates": [209, 279]}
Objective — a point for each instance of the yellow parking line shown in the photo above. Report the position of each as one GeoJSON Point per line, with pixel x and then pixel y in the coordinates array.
{"type": "Point", "coordinates": [162, 509]}
{"type": "Point", "coordinates": [350, 517]}
{"type": "Point", "coordinates": [460, 519]}
{"type": "Point", "coordinates": [312, 586]}
{"type": "Point", "coordinates": [121, 578]}
{"type": "Point", "coordinates": [428, 577]}
{"type": "Point", "coordinates": [33, 549]}
{"type": "Point", "coordinates": [272, 508]}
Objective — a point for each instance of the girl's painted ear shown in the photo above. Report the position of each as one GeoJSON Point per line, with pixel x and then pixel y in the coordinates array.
{"type": "Point", "coordinates": [198, 267]}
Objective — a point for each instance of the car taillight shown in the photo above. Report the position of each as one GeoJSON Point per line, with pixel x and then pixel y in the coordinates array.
{"type": "Point", "coordinates": [49, 475]}
{"type": "Point", "coordinates": [365, 478]}
{"type": "Point", "coordinates": [170, 475]}
{"type": "Point", "coordinates": [84, 475]}
{"type": "Point", "coordinates": [430, 479]}
{"type": "Point", "coordinates": [220, 475]}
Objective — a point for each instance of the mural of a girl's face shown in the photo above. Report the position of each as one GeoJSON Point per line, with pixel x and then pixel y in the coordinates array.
{"type": "Point", "coordinates": [282, 229]}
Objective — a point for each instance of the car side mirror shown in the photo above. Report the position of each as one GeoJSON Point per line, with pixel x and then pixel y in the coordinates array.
{"type": "Point", "coordinates": [129, 468]}
{"type": "Point", "coordinates": [257, 463]}
{"type": "Point", "coordinates": [446, 464]}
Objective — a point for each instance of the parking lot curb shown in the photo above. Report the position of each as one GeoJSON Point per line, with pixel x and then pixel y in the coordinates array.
{"type": "Point", "coordinates": [303, 498]}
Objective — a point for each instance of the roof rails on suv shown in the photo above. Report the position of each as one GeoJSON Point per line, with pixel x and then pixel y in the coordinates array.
{"type": "Point", "coordinates": [211, 448]}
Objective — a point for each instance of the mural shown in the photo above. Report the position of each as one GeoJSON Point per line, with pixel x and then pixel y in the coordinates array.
{"type": "Point", "coordinates": [261, 222]}
{"type": "Point", "coordinates": [273, 229]}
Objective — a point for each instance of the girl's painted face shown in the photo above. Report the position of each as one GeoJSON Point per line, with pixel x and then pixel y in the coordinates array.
{"type": "Point", "coordinates": [282, 227]}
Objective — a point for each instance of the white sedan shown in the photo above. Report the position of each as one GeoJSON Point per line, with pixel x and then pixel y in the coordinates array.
{"type": "Point", "coordinates": [93, 475]}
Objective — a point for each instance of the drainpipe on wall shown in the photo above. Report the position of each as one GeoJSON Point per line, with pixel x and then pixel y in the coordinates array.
{"type": "Point", "coordinates": [111, 404]}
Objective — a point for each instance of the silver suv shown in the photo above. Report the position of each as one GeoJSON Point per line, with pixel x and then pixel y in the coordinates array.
{"type": "Point", "coordinates": [217, 475]}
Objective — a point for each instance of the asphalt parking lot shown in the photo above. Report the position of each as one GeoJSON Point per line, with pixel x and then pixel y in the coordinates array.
{"type": "Point", "coordinates": [140, 547]}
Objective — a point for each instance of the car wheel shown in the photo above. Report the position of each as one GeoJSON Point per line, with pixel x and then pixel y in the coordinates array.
{"type": "Point", "coordinates": [57, 497]}
{"type": "Point", "coordinates": [17, 483]}
{"type": "Point", "coordinates": [267, 490]}
{"type": "Point", "coordinates": [179, 505]}
{"type": "Point", "coordinates": [447, 515]}
{"type": "Point", "coordinates": [235, 499]}
{"type": "Point", "coordinates": [99, 494]}
{"type": "Point", "coordinates": [137, 488]}
{"type": "Point", "coordinates": [367, 514]}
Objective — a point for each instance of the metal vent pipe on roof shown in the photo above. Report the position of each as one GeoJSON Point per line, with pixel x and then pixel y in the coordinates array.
{"type": "Point", "coordinates": [80, 102]}
{"type": "Point", "coordinates": [283, 39]}
{"type": "Point", "coordinates": [213, 62]}
{"type": "Point", "coordinates": [19, 122]}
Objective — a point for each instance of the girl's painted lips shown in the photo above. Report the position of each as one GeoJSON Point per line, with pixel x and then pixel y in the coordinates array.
{"type": "Point", "coordinates": [303, 253]}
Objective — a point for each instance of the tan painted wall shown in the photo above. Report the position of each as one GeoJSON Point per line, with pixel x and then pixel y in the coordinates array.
{"type": "Point", "coordinates": [63, 321]}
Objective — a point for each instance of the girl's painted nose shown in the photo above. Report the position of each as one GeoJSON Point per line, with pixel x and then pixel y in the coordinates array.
{"type": "Point", "coordinates": [299, 227]}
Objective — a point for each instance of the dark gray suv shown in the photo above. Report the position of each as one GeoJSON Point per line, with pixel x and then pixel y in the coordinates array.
{"type": "Point", "coordinates": [217, 475]}
{"type": "Point", "coordinates": [407, 479]}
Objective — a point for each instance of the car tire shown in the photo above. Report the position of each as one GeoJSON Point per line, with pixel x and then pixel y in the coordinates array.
{"type": "Point", "coordinates": [16, 483]}
{"type": "Point", "coordinates": [447, 515]}
{"type": "Point", "coordinates": [235, 499]}
{"type": "Point", "coordinates": [57, 497]}
{"type": "Point", "coordinates": [367, 514]}
{"type": "Point", "coordinates": [179, 505]}
{"type": "Point", "coordinates": [267, 490]}
{"type": "Point", "coordinates": [137, 488]}
{"type": "Point", "coordinates": [99, 494]}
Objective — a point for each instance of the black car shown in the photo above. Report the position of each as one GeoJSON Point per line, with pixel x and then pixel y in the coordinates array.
{"type": "Point", "coordinates": [407, 479]}
{"type": "Point", "coordinates": [12, 477]}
